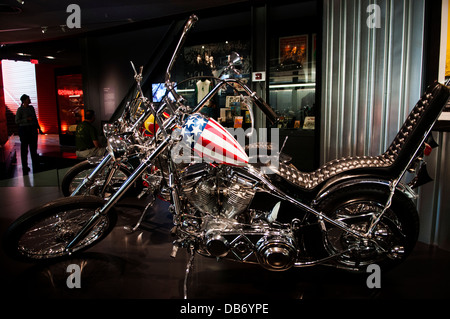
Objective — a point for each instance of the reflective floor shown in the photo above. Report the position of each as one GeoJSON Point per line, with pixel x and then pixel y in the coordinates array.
{"type": "Point", "coordinates": [54, 162]}
{"type": "Point", "coordinates": [138, 265]}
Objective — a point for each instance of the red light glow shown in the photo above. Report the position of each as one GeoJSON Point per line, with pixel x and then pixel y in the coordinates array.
{"type": "Point", "coordinates": [43, 128]}
{"type": "Point", "coordinates": [66, 92]}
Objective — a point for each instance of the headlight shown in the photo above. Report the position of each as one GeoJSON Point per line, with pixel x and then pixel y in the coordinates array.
{"type": "Point", "coordinates": [109, 129]}
{"type": "Point", "coordinates": [117, 146]}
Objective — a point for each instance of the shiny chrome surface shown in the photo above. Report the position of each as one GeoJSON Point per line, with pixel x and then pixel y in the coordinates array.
{"type": "Point", "coordinates": [49, 237]}
{"type": "Point", "coordinates": [117, 147]}
{"type": "Point", "coordinates": [364, 252]}
{"type": "Point", "coordinates": [273, 248]}
{"type": "Point", "coordinates": [118, 178]}
{"type": "Point", "coordinates": [327, 190]}
{"type": "Point", "coordinates": [218, 191]}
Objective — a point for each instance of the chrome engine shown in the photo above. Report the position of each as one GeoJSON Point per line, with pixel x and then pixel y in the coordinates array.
{"type": "Point", "coordinates": [224, 224]}
{"type": "Point", "coordinates": [219, 191]}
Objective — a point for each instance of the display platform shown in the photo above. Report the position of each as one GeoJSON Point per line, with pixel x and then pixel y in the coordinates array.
{"type": "Point", "coordinates": [139, 266]}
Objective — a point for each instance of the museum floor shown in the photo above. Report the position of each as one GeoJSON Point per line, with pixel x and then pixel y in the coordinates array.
{"type": "Point", "coordinates": [138, 265]}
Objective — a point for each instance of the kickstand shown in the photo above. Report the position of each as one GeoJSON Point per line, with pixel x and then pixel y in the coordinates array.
{"type": "Point", "coordinates": [132, 229]}
{"type": "Point", "coordinates": [189, 266]}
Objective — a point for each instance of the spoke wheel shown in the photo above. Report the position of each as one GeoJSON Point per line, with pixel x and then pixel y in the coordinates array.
{"type": "Point", "coordinates": [44, 232]}
{"type": "Point", "coordinates": [392, 239]}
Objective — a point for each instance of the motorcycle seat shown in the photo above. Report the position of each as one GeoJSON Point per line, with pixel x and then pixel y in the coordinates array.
{"type": "Point", "coordinates": [392, 162]}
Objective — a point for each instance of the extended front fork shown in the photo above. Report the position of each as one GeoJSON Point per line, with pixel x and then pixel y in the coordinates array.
{"type": "Point", "coordinates": [117, 195]}
{"type": "Point", "coordinates": [90, 179]}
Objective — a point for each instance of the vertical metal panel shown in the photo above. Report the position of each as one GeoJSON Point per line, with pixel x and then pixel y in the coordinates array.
{"type": "Point", "coordinates": [433, 203]}
{"type": "Point", "coordinates": [371, 76]}
{"type": "Point", "coordinates": [442, 230]}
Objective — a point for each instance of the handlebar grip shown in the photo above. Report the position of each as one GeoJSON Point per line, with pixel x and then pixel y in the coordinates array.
{"type": "Point", "coordinates": [268, 111]}
{"type": "Point", "coordinates": [191, 21]}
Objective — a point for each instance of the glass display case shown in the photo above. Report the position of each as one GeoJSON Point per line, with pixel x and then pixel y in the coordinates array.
{"type": "Point", "coordinates": [292, 79]}
{"type": "Point", "coordinates": [293, 83]}
{"type": "Point", "coordinates": [204, 65]}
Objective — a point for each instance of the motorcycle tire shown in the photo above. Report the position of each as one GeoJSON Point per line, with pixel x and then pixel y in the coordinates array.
{"type": "Point", "coordinates": [394, 237]}
{"type": "Point", "coordinates": [78, 172]}
{"type": "Point", "coordinates": [43, 232]}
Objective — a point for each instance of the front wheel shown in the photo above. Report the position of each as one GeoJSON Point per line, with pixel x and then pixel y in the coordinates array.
{"type": "Point", "coordinates": [43, 232]}
{"type": "Point", "coordinates": [393, 238]}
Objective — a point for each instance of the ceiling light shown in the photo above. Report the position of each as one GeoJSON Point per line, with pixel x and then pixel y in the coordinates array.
{"type": "Point", "coordinates": [21, 1]}
{"type": "Point", "coordinates": [50, 57]}
{"type": "Point", "coordinates": [44, 29]}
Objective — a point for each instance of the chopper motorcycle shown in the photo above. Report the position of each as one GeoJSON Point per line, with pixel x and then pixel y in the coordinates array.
{"type": "Point", "coordinates": [349, 213]}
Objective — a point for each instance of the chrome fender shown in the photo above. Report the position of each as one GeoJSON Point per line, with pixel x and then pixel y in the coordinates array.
{"type": "Point", "coordinates": [349, 181]}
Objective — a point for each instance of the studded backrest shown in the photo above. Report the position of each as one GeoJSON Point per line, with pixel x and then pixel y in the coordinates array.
{"type": "Point", "coordinates": [392, 162]}
{"type": "Point", "coordinates": [418, 122]}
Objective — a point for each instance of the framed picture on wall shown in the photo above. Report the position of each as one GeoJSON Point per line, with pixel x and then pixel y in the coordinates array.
{"type": "Point", "coordinates": [293, 50]}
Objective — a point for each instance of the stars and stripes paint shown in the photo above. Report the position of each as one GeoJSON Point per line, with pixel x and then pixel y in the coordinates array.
{"type": "Point", "coordinates": [212, 141]}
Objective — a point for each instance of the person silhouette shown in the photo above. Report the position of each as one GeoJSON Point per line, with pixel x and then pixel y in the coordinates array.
{"type": "Point", "coordinates": [28, 132]}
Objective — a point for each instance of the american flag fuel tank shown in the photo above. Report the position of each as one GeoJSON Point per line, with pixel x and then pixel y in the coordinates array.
{"type": "Point", "coordinates": [212, 142]}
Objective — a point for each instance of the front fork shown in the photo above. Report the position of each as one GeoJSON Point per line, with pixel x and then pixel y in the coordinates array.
{"type": "Point", "coordinates": [90, 179]}
{"type": "Point", "coordinates": [117, 195]}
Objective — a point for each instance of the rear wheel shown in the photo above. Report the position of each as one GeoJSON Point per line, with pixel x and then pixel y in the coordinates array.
{"type": "Point", "coordinates": [393, 239]}
{"type": "Point", "coordinates": [44, 232]}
